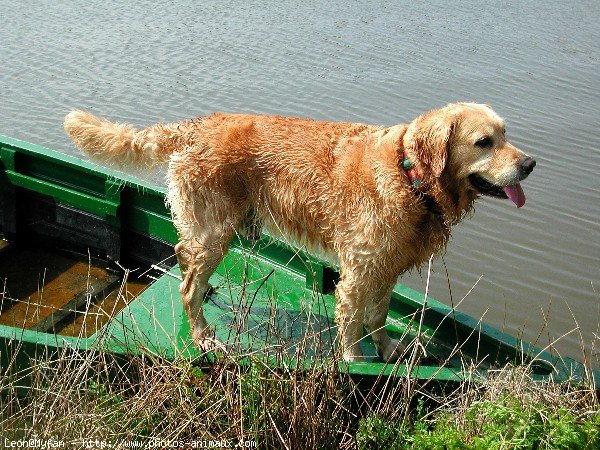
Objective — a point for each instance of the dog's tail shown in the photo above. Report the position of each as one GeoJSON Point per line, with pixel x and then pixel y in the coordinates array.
{"type": "Point", "coordinates": [119, 144]}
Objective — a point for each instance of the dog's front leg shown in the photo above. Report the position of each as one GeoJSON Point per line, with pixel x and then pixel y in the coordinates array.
{"type": "Point", "coordinates": [376, 312]}
{"type": "Point", "coordinates": [350, 293]}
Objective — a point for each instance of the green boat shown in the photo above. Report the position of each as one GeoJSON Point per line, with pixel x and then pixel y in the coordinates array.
{"type": "Point", "coordinates": [87, 262]}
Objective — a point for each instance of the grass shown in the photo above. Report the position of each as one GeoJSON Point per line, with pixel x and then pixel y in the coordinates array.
{"type": "Point", "coordinates": [82, 397]}
{"type": "Point", "coordinates": [509, 411]}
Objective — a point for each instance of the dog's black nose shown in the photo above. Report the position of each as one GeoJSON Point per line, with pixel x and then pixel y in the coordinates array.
{"type": "Point", "coordinates": [527, 165]}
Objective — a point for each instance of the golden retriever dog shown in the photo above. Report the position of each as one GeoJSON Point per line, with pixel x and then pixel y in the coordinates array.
{"type": "Point", "coordinates": [378, 200]}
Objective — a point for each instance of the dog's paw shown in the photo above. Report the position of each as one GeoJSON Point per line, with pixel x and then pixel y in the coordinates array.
{"type": "Point", "coordinates": [206, 341]}
{"type": "Point", "coordinates": [392, 351]}
{"type": "Point", "coordinates": [354, 358]}
{"type": "Point", "coordinates": [210, 344]}
{"type": "Point", "coordinates": [353, 354]}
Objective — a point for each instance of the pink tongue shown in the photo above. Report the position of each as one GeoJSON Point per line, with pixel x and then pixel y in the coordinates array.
{"type": "Point", "coordinates": [516, 194]}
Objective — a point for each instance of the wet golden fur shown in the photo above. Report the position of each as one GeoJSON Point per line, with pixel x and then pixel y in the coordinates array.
{"type": "Point", "coordinates": [338, 187]}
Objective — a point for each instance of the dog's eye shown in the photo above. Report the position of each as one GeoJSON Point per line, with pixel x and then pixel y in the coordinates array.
{"type": "Point", "coordinates": [484, 142]}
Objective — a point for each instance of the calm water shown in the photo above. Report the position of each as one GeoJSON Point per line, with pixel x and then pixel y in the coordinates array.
{"type": "Point", "coordinates": [537, 63]}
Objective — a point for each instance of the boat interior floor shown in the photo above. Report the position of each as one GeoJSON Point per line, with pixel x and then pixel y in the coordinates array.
{"type": "Point", "coordinates": [53, 290]}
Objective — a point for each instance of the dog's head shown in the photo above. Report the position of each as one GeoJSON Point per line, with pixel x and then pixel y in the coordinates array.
{"type": "Point", "coordinates": [463, 149]}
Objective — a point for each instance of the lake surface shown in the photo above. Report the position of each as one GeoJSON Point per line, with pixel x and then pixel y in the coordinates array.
{"type": "Point", "coordinates": [535, 271]}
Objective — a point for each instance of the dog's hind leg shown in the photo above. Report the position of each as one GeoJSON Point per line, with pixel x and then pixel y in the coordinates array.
{"type": "Point", "coordinates": [376, 312]}
{"type": "Point", "coordinates": [204, 239]}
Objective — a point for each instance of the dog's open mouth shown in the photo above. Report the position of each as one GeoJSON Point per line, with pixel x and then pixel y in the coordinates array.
{"type": "Point", "coordinates": [514, 192]}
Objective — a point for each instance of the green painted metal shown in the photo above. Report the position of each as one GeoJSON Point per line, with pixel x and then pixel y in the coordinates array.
{"type": "Point", "coordinates": [269, 298]}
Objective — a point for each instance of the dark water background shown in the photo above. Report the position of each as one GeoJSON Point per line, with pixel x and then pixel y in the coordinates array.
{"type": "Point", "coordinates": [536, 63]}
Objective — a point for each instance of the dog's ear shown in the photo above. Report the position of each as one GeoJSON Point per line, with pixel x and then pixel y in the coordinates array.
{"type": "Point", "coordinates": [431, 138]}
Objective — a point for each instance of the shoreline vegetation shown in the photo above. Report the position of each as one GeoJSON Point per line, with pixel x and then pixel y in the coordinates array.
{"type": "Point", "coordinates": [94, 398]}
